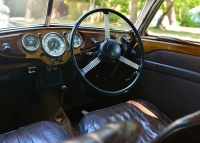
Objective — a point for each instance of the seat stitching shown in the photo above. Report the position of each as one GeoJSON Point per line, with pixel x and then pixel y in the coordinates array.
{"type": "Point", "coordinates": [160, 119]}
{"type": "Point", "coordinates": [90, 122]}
{"type": "Point", "coordinates": [27, 132]}
{"type": "Point", "coordinates": [145, 120]}
{"type": "Point", "coordinates": [137, 119]}
{"type": "Point", "coordinates": [140, 112]}
{"type": "Point", "coordinates": [4, 138]}
{"type": "Point", "coordinates": [99, 119]}
{"type": "Point", "coordinates": [104, 114]}
{"type": "Point", "coordinates": [41, 132]}
{"type": "Point", "coordinates": [80, 127]}
{"type": "Point", "coordinates": [55, 131]}
{"type": "Point", "coordinates": [156, 113]}
{"type": "Point", "coordinates": [124, 115]}
{"type": "Point", "coordinates": [155, 108]}
{"type": "Point", "coordinates": [109, 116]}
{"type": "Point", "coordinates": [16, 136]}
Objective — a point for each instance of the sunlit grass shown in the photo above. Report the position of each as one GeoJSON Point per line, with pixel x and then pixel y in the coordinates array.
{"type": "Point", "coordinates": [183, 35]}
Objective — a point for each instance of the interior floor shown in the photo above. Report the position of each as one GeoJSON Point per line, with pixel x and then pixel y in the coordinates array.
{"type": "Point", "coordinates": [20, 106]}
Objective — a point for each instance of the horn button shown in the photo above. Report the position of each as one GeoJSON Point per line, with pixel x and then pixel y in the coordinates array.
{"type": "Point", "coordinates": [110, 50]}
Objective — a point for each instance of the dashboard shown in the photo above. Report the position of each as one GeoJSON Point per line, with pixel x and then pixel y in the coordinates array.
{"type": "Point", "coordinates": [47, 45]}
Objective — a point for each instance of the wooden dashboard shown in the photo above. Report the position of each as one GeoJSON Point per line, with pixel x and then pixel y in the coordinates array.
{"type": "Point", "coordinates": [20, 57]}
{"type": "Point", "coordinates": [14, 39]}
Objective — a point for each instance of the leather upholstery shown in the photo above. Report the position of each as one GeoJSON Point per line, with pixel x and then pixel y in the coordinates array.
{"type": "Point", "coordinates": [40, 132]}
{"type": "Point", "coordinates": [183, 130]}
{"type": "Point", "coordinates": [151, 120]}
{"type": "Point", "coordinates": [117, 132]}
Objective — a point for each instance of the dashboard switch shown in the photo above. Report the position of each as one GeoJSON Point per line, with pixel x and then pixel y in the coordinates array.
{"type": "Point", "coordinates": [6, 48]}
{"type": "Point", "coordinates": [61, 60]}
{"type": "Point", "coordinates": [53, 60]}
{"type": "Point", "coordinates": [42, 53]}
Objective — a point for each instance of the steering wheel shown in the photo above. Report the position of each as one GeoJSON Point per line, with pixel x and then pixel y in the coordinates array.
{"type": "Point", "coordinates": [109, 51]}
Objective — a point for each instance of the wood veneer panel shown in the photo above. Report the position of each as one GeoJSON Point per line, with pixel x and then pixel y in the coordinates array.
{"type": "Point", "coordinates": [12, 40]}
{"type": "Point", "coordinates": [153, 45]}
{"type": "Point", "coordinates": [15, 40]}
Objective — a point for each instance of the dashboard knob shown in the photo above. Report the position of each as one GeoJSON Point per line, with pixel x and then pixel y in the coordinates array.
{"type": "Point", "coordinates": [64, 88]}
{"type": "Point", "coordinates": [6, 48]}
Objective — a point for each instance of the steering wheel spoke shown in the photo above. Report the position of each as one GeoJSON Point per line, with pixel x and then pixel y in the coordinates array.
{"type": "Point", "coordinates": [91, 65]}
{"type": "Point", "coordinates": [107, 28]}
{"type": "Point", "coordinates": [128, 62]}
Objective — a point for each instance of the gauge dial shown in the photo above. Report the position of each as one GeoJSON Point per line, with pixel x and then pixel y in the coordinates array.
{"type": "Point", "coordinates": [54, 44]}
{"type": "Point", "coordinates": [77, 40]}
{"type": "Point", "coordinates": [30, 42]}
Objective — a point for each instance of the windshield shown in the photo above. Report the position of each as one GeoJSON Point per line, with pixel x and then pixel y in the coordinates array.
{"type": "Point", "coordinates": [24, 13]}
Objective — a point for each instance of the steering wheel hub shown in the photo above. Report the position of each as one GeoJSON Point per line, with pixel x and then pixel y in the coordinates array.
{"type": "Point", "coordinates": [110, 50]}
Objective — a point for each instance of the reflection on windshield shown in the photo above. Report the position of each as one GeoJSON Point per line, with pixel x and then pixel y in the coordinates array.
{"type": "Point", "coordinates": [21, 12]}
{"type": "Point", "coordinates": [130, 8]}
{"type": "Point", "coordinates": [4, 16]}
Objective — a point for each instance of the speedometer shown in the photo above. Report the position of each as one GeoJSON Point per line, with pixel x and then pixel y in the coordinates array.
{"type": "Point", "coordinates": [54, 44]}
{"type": "Point", "coordinates": [77, 40]}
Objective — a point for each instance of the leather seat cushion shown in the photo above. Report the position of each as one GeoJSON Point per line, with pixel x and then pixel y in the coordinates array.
{"type": "Point", "coordinates": [40, 132]}
{"type": "Point", "coordinates": [151, 120]}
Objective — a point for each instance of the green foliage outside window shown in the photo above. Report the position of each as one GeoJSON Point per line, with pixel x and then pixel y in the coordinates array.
{"type": "Point", "coordinates": [183, 17]}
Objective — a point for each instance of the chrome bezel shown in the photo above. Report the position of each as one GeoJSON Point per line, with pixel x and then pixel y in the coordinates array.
{"type": "Point", "coordinates": [68, 39]}
{"type": "Point", "coordinates": [61, 37]}
{"type": "Point", "coordinates": [24, 45]}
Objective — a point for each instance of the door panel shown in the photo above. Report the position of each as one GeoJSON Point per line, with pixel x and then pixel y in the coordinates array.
{"type": "Point", "coordinates": [171, 79]}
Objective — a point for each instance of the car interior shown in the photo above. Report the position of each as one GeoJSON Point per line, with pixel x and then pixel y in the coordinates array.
{"type": "Point", "coordinates": [84, 82]}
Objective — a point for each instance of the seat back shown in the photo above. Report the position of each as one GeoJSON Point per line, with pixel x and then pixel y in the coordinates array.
{"type": "Point", "coordinates": [184, 130]}
{"type": "Point", "coordinates": [117, 132]}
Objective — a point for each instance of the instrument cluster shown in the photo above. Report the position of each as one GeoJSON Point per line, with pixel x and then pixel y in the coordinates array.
{"type": "Point", "coordinates": [53, 44]}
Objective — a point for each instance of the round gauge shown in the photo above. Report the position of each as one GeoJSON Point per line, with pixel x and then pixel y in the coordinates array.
{"type": "Point", "coordinates": [30, 42]}
{"type": "Point", "coordinates": [54, 44]}
{"type": "Point", "coordinates": [77, 40]}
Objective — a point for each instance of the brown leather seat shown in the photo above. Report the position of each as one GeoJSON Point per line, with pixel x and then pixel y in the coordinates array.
{"type": "Point", "coordinates": [151, 120]}
{"type": "Point", "coordinates": [147, 123]}
{"type": "Point", "coordinates": [51, 132]}
{"type": "Point", "coordinates": [40, 132]}
{"type": "Point", "coordinates": [117, 132]}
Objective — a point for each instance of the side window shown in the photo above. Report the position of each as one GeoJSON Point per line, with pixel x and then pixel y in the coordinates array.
{"type": "Point", "coordinates": [177, 19]}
